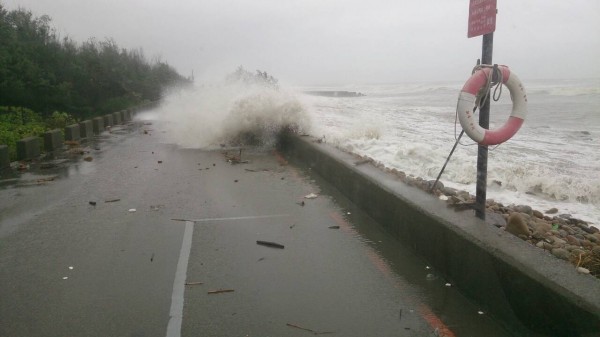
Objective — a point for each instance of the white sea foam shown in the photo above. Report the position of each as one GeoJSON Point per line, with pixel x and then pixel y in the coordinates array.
{"type": "Point", "coordinates": [552, 162]}
{"type": "Point", "coordinates": [232, 113]}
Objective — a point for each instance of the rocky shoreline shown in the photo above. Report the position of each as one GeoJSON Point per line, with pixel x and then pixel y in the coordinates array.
{"type": "Point", "coordinates": [563, 236]}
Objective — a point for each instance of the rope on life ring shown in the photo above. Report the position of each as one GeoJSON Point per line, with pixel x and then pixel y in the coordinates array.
{"type": "Point", "coordinates": [471, 94]}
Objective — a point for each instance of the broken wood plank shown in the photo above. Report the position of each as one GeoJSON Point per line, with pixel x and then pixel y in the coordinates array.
{"type": "Point", "coordinates": [299, 327]}
{"type": "Point", "coordinates": [220, 291]}
{"type": "Point", "coordinates": [182, 220]}
{"type": "Point", "coordinates": [270, 244]}
{"type": "Point", "coordinates": [310, 330]}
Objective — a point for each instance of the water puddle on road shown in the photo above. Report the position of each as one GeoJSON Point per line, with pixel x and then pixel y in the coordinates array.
{"type": "Point", "coordinates": [74, 160]}
{"type": "Point", "coordinates": [436, 299]}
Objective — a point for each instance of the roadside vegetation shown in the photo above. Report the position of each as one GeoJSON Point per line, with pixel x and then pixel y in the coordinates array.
{"type": "Point", "coordinates": [48, 81]}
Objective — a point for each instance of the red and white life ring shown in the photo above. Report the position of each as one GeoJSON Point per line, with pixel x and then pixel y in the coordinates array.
{"type": "Point", "coordinates": [468, 97]}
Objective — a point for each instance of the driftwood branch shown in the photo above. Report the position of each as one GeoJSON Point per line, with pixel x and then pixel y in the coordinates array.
{"type": "Point", "coordinates": [220, 291]}
{"type": "Point", "coordinates": [310, 330]}
{"type": "Point", "coordinates": [270, 244]}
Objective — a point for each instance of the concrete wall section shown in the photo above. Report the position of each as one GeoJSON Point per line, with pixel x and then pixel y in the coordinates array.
{"type": "Point", "coordinates": [86, 129]}
{"type": "Point", "coordinates": [53, 140]}
{"type": "Point", "coordinates": [117, 119]}
{"type": "Point", "coordinates": [530, 291]}
{"type": "Point", "coordinates": [4, 158]}
{"type": "Point", "coordinates": [28, 148]}
{"type": "Point", "coordinates": [108, 120]}
{"type": "Point", "coordinates": [98, 125]}
{"type": "Point", "coordinates": [72, 132]}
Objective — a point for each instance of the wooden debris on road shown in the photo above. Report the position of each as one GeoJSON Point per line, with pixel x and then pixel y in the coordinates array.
{"type": "Point", "coordinates": [220, 291]}
{"type": "Point", "coordinates": [193, 283]}
{"type": "Point", "coordinates": [310, 330]}
{"type": "Point", "coordinates": [257, 170]}
{"type": "Point", "coordinates": [45, 180]}
{"type": "Point", "coordinates": [233, 159]}
{"type": "Point", "coordinates": [270, 244]}
{"type": "Point", "coordinates": [182, 220]}
{"type": "Point", "coordinates": [72, 143]}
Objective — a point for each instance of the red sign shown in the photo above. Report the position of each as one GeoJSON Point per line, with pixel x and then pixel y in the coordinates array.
{"type": "Point", "coordinates": [482, 17]}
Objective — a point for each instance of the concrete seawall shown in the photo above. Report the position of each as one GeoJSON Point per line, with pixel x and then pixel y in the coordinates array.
{"type": "Point", "coordinates": [530, 291]}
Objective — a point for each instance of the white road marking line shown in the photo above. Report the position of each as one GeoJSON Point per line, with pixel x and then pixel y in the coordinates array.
{"type": "Point", "coordinates": [176, 312]}
{"type": "Point", "coordinates": [177, 299]}
{"type": "Point", "coordinates": [239, 218]}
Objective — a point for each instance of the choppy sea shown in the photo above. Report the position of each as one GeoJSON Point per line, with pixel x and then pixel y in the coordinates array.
{"type": "Point", "coordinates": [553, 161]}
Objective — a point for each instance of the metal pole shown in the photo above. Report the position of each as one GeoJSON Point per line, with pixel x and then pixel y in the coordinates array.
{"type": "Point", "coordinates": [484, 121]}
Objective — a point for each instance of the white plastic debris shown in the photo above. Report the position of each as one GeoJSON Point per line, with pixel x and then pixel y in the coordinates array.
{"type": "Point", "coordinates": [132, 210]}
{"type": "Point", "coordinates": [583, 270]}
{"type": "Point", "coordinates": [481, 312]}
{"type": "Point", "coordinates": [65, 277]}
{"type": "Point", "coordinates": [448, 285]}
{"type": "Point", "coordinates": [443, 197]}
{"type": "Point", "coordinates": [310, 196]}
{"type": "Point", "coordinates": [71, 267]}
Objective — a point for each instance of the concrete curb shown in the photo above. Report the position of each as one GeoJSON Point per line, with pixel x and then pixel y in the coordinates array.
{"type": "Point", "coordinates": [98, 125]}
{"type": "Point", "coordinates": [117, 118]}
{"type": "Point", "coordinates": [86, 129]}
{"type": "Point", "coordinates": [4, 158]}
{"type": "Point", "coordinates": [28, 148]}
{"type": "Point", "coordinates": [72, 132]}
{"type": "Point", "coordinates": [108, 120]}
{"type": "Point", "coordinates": [522, 286]}
{"type": "Point", "coordinates": [53, 140]}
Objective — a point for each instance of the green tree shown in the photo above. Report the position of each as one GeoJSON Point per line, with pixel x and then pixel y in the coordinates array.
{"type": "Point", "coordinates": [64, 81]}
{"type": "Point", "coordinates": [43, 73]}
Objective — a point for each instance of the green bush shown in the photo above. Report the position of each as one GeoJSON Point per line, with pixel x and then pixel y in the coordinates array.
{"type": "Point", "coordinates": [17, 123]}
{"type": "Point", "coordinates": [58, 120]}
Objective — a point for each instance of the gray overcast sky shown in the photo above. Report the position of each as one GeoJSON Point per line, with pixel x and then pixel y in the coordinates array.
{"type": "Point", "coordinates": [338, 41]}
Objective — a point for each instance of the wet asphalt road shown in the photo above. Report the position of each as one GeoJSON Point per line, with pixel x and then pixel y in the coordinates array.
{"type": "Point", "coordinates": [69, 268]}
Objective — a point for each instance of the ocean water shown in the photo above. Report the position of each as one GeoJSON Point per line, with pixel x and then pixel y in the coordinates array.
{"type": "Point", "coordinates": [553, 161]}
